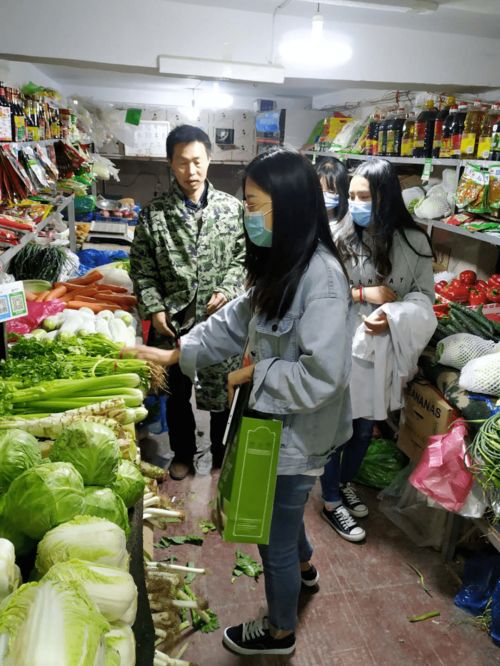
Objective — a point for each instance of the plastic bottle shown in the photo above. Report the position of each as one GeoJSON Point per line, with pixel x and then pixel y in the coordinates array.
{"type": "Point", "coordinates": [472, 130]}
{"type": "Point", "coordinates": [408, 135]}
{"type": "Point", "coordinates": [439, 126]}
{"type": "Point", "coordinates": [381, 131]}
{"type": "Point", "coordinates": [395, 133]}
{"type": "Point", "coordinates": [372, 135]}
{"type": "Point", "coordinates": [424, 130]}
{"type": "Point", "coordinates": [446, 151]}
{"type": "Point", "coordinates": [457, 130]}
{"type": "Point", "coordinates": [495, 140]}
{"type": "Point", "coordinates": [485, 135]}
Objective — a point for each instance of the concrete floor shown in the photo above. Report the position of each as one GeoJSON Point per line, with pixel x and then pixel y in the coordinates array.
{"type": "Point", "coordinates": [358, 616]}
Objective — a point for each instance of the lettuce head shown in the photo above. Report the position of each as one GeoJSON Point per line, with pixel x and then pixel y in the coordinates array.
{"type": "Point", "coordinates": [103, 502]}
{"type": "Point", "coordinates": [130, 483]}
{"type": "Point", "coordinates": [19, 451]}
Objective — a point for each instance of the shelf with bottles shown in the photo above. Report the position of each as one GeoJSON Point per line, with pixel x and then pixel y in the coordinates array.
{"type": "Point", "coordinates": [450, 162]}
{"type": "Point", "coordinates": [484, 236]}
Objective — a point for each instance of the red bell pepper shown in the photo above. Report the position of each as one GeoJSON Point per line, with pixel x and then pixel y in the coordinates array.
{"type": "Point", "coordinates": [493, 294]}
{"type": "Point", "coordinates": [494, 280]}
{"type": "Point", "coordinates": [441, 308]}
{"type": "Point", "coordinates": [477, 297]}
{"type": "Point", "coordinates": [439, 286]}
{"type": "Point", "coordinates": [481, 285]}
{"type": "Point", "coordinates": [458, 294]}
{"type": "Point", "coordinates": [468, 277]}
{"type": "Point", "coordinates": [456, 283]}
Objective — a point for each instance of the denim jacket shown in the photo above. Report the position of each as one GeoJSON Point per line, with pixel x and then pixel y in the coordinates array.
{"type": "Point", "coordinates": [302, 361]}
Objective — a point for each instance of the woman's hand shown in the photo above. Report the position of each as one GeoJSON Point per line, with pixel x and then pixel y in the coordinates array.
{"type": "Point", "coordinates": [165, 357]}
{"type": "Point", "coordinates": [379, 295]}
{"type": "Point", "coordinates": [161, 324]}
{"type": "Point", "coordinates": [238, 377]}
{"type": "Point", "coordinates": [376, 323]}
{"type": "Point", "coordinates": [217, 302]}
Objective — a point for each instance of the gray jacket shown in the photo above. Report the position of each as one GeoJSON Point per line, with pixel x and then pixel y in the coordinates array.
{"type": "Point", "coordinates": [302, 361]}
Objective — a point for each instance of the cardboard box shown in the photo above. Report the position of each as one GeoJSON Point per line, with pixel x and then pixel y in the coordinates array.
{"type": "Point", "coordinates": [425, 413]}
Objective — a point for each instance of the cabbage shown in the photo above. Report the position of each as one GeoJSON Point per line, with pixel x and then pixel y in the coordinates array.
{"type": "Point", "coordinates": [112, 590]}
{"type": "Point", "coordinates": [58, 626]}
{"type": "Point", "coordinates": [121, 638]}
{"type": "Point", "coordinates": [84, 538]}
{"type": "Point", "coordinates": [9, 571]}
{"type": "Point", "coordinates": [22, 543]}
{"type": "Point", "coordinates": [19, 451]}
{"type": "Point", "coordinates": [43, 497]}
{"type": "Point", "coordinates": [103, 502]}
{"type": "Point", "coordinates": [130, 483]}
{"type": "Point", "coordinates": [13, 612]}
{"type": "Point", "coordinates": [92, 448]}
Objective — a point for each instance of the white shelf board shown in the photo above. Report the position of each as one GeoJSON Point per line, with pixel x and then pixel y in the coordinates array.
{"type": "Point", "coordinates": [477, 235]}
{"type": "Point", "coordinates": [401, 160]}
{"type": "Point", "coordinates": [45, 142]}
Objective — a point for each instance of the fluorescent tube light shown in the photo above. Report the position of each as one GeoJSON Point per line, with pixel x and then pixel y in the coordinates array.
{"type": "Point", "coordinates": [220, 69]}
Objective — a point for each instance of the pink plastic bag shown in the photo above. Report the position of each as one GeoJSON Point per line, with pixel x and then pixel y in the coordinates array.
{"type": "Point", "coordinates": [441, 473]}
{"type": "Point", "coordinates": [37, 312]}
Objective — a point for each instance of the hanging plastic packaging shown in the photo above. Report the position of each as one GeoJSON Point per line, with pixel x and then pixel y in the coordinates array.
{"type": "Point", "coordinates": [441, 473]}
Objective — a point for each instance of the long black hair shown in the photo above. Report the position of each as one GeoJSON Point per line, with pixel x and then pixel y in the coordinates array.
{"type": "Point", "coordinates": [337, 180]}
{"type": "Point", "coordinates": [389, 213]}
{"type": "Point", "coordinates": [335, 174]}
{"type": "Point", "coordinates": [300, 222]}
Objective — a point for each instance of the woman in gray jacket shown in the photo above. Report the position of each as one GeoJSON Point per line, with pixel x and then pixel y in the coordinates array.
{"type": "Point", "coordinates": [298, 305]}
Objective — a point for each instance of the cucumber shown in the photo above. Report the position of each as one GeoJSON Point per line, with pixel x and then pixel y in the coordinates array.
{"type": "Point", "coordinates": [481, 326]}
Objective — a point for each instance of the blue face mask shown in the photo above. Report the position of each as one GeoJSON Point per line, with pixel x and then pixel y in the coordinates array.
{"type": "Point", "coordinates": [361, 212]}
{"type": "Point", "coordinates": [331, 200]}
{"type": "Point", "coordinates": [256, 230]}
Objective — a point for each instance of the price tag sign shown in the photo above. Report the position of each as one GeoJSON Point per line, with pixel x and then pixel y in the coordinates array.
{"type": "Point", "coordinates": [426, 174]}
{"type": "Point", "coordinates": [12, 301]}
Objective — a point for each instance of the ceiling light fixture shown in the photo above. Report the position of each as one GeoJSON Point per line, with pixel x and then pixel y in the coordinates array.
{"type": "Point", "coordinates": [415, 6]}
{"type": "Point", "coordinates": [220, 69]}
{"type": "Point", "coordinates": [317, 25]}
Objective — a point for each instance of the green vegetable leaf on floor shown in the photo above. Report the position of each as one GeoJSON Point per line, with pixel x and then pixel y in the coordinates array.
{"type": "Point", "coordinates": [167, 541]}
{"type": "Point", "coordinates": [246, 565]}
{"type": "Point", "coordinates": [206, 526]}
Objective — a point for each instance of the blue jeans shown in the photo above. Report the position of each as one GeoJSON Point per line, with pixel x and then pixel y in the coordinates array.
{"type": "Point", "coordinates": [346, 460]}
{"type": "Point", "coordinates": [288, 547]}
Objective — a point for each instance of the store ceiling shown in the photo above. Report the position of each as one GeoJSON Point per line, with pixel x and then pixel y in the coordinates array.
{"type": "Point", "coordinates": [465, 17]}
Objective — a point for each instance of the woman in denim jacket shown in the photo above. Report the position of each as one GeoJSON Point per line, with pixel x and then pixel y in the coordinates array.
{"type": "Point", "coordinates": [294, 327]}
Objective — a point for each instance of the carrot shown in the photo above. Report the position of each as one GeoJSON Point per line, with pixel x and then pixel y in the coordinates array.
{"type": "Point", "coordinates": [55, 293]}
{"type": "Point", "coordinates": [119, 299]}
{"type": "Point", "coordinates": [83, 291]}
{"type": "Point", "coordinates": [90, 278]}
{"type": "Point", "coordinates": [112, 287]}
{"type": "Point", "coordinates": [95, 307]}
{"type": "Point", "coordinates": [30, 296]}
{"type": "Point", "coordinates": [41, 296]}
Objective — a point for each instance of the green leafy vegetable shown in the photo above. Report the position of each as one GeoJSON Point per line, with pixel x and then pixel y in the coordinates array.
{"type": "Point", "coordinates": [167, 541]}
{"type": "Point", "coordinates": [129, 483]}
{"type": "Point", "coordinates": [121, 639]}
{"type": "Point", "coordinates": [54, 623]}
{"type": "Point", "coordinates": [8, 530]}
{"type": "Point", "coordinates": [112, 590]}
{"type": "Point", "coordinates": [103, 502]}
{"type": "Point", "coordinates": [204, 620]}
{"type": "Point", "coordinates": [425, 616]}
{"type": "Point", "coordinates": [206, 526]}
{"type": "Point", "coordinates": [43, 497]}
{"type": "Point", "coordinates": [246, 565]}
{"type": "Point", "coordinates": [19, 451]}
{"type": "Point", "coordinates": [92, 448]}
{"type": "Point", "coordinates": [85, 538]}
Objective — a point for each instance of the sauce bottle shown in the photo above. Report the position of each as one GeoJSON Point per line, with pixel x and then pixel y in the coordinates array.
{"type": "Point", "coordinates": [424, 130]}
{"type": "Point", "coordinates": [439, 126]}
{"type": "Point", "coordinates": [408, 135]}
{"type": "Point", "coordinates": [495, 140]}
{"type": "Point", "coordinates": [380, 135]}
{"type": "Point", "coordinates": [5, 116]}
{"type": "Point", "coordinates": [446, 150]}
{"type": "Point", "coordinates": [485, 135]}
{"type": "Point", "coordinates": [395, 133]}
{"type": "Point", "coordinates": [372, 135]}
{"type": "Point", "coordinates": [472, 130]}
{"type": "Point", "coordinates": [457, 130]}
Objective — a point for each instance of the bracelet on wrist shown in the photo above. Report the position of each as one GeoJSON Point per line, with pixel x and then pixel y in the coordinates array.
{"type": "Point", "coordinates": [361, 300]}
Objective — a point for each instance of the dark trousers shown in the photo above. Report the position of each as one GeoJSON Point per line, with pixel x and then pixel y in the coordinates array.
{"type": "Point", "coordinates": [181, 421]}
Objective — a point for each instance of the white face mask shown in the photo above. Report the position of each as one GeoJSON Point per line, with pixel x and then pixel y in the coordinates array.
{"type": "Point", "coordinates": [331, 200]}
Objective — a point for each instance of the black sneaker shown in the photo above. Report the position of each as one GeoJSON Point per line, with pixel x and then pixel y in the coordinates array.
{"type": "Point", "coordinates": [310, 577]}
{"type": "Point", "coordinates": [254, 638]}
{"type": "Point", "coordinates": [343, 523]}
{"type": "Point", "coordinates": [352, 502]}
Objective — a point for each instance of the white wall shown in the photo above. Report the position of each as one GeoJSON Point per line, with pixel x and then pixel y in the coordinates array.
{"type": "Point", "coordinates": [16, 74]}
{"type": "Point", "coordinates": [131, 33]}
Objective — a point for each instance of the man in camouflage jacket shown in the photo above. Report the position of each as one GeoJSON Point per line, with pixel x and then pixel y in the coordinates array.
{"type": "Point", "coordinates": [187, 262]}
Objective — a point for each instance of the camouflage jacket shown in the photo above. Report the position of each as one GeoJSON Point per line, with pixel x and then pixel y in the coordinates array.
{"type": "Point", "coordinates": [177, 258]}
